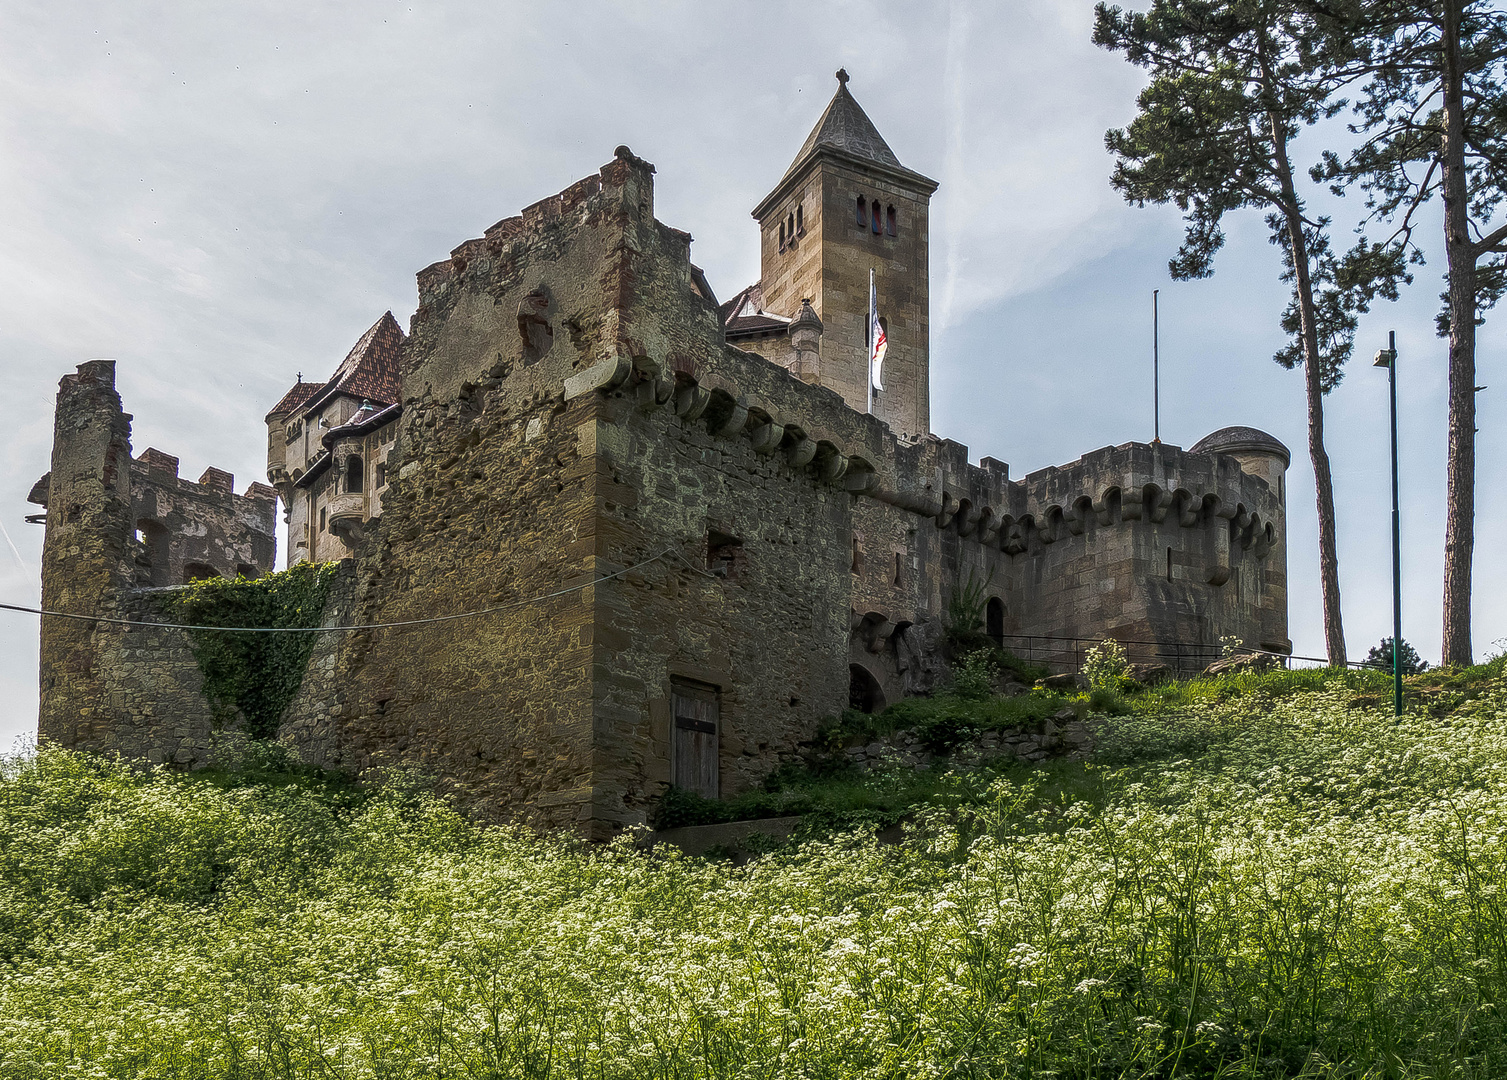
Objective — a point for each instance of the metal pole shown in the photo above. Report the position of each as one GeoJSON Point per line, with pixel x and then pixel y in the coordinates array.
{"type": "Point", "coordinates": [1156, 369]}
{"type": "Point", "coordinates": [868, 337]}
{"type": "Point", "coordinates": [1396, 539]}
{"type": "Point", "coordinates": [1388, 359]}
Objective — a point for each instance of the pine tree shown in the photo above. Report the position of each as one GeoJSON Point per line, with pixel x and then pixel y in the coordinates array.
{"type": "Point", "coordinates": [1233, 83]}
{"type": "Point", "coordinates": [1434, 119]}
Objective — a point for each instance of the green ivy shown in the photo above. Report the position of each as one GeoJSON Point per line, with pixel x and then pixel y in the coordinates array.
{"type": "Point", "coordinates": [257, 673]}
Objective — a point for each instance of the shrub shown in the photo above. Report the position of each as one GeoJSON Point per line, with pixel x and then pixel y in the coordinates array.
{"type": "Point", "coordinates": [1105, 666]}
{"type": "Point", "coordinates": [973, 676]}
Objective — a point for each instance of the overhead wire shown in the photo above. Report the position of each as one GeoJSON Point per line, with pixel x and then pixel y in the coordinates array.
{"type": "Point", "coordinates": [142, 624]}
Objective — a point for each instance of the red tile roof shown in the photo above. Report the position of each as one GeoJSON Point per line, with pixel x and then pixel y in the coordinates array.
{"type": "Point", "coordinates": [372, 370]}
{"type": "Point", "coordinates": [301, 392]}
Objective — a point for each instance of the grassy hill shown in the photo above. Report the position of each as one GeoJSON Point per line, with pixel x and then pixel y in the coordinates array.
{"type": "Point", "coordinates": [1259, 876]}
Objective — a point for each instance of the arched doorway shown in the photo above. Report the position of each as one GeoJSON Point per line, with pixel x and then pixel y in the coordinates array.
{"type": "Point", "coordinates": [994, 621]}
{"type": "Point", "coordinates": [864, 691]}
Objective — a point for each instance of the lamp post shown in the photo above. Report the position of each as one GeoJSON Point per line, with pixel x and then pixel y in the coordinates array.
{"type": "Point", "coordinates": [1387, 358]}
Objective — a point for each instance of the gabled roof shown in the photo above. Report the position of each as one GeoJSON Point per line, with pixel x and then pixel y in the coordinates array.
{"type": "Point", "coordinates": [744, 314]}
{"type": "Point", "coordinates": [371, 370]}
{"type": "Point", "coordinates": [846, 132]}
{"type": "Point", "coordinates": [301, 392]}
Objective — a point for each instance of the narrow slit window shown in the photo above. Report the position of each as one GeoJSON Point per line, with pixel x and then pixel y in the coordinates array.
{"type": "Point", "coordinates": [889, 221]}
{"type": "Point", "coordinates": [782, 236]}
{"type": "Point", "coordinates": [857, 566]}
{"type": "Point", "coordinates": [790, 227]}
{"type": "Point", "coordinates": [863, 215]}
{"type": "Point", "coordinates": [899, 568]}
{"type": "Point", "coordinates": [877, 226]}
{"type": "Point", "coordinates": [1169, 564]}
{"type": "Point", "coordinates": [800, 221]}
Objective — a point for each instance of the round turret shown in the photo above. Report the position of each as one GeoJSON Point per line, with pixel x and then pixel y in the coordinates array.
{"type": "Point", "coordinates": [1259, 453]}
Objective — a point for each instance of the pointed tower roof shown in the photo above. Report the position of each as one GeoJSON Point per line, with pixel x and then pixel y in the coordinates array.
{"type": "Point", "coordinates": [371, 370]}
{"type": "Point", "coordinates": [845, 132]}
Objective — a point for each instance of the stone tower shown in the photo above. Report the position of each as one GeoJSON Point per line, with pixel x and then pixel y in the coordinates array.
{"type": "Point", "coordinates": [847, 206]}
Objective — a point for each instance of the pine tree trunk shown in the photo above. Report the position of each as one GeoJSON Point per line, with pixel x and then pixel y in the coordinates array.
{"type": "Point", "coordinates": [1460, 470]}
{"type": "Point", "coordinates": [1313, 380]}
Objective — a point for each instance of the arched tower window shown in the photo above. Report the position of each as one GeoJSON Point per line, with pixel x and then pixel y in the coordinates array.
{"type": "Point", "coordinates": [354, 475]}
{"type": "Point", "coordinates": [889, 221]}
{"type": "Point", "coordinates": [863, 213]}
{"type": "Point", "coordinates": [877, 225]}
{"type": "Point", "coordinates": [782, 236]}
{"type": "Point", "coordinates": [790, 227]}
{"type": "Point", "coordinates": [800, 221]}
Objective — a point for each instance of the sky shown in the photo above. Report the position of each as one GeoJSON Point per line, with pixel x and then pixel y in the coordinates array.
{"type": "Point", "coordinates": [221, 196]}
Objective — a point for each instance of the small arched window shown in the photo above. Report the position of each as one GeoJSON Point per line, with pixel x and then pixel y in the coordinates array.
{"type": "Point", "coordinates": [790, 227]}
{"type": "Point", "coordinates": [889, 221]}
{"type": "Point", "coordinates": [782, 236]}
{"type": "Point", "coordinates": [877, 225]}
{"type": "Point", "coordinates": [863, 213]}
{"type": "Point", "coordinates": [354, 475]}
{"type": "Point", "coordinates": [800, 221]}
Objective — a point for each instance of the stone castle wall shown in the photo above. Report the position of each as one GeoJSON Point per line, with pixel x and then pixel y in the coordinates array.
{"type": "Point", "coordinates": [572, 415]}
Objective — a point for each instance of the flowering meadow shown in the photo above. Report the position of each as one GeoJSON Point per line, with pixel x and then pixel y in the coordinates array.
{"type": "Point", "coordinates": [1250, 885]}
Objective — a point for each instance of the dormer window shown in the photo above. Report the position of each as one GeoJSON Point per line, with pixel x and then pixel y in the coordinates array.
{"type": "Point", "coordinates": [889, 221]}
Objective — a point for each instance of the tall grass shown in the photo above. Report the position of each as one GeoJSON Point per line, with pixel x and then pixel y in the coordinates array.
{"type": "Point", "coordinates": [1270, 885]}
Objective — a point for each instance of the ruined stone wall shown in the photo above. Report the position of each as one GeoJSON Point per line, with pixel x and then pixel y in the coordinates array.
{"type": "Point", "coordinates": [491, 488]}
{"type": "Point", "coordinates": [130, 689]}
{"type": "Point", "coordinates": [186, 529]}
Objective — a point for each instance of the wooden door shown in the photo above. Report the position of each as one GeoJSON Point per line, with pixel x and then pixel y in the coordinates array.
{"type": "Point", "coordinates": [696, 733]}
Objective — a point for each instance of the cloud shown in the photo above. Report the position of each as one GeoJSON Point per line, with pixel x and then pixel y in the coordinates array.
{"type": "Point", "coordinates": [223, 195]}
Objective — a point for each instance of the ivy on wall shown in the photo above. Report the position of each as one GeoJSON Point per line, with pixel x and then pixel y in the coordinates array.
{"type": "Point", "coordinates": [257, 673]}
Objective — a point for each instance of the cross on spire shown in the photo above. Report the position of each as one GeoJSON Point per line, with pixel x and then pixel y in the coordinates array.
{"type": "Point", "coordinates": [842, 76]}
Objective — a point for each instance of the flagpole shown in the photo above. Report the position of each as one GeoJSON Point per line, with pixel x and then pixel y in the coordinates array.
{"type": "Point", "coordinates": [868, 337]}
{"type": "Point", "coordinates": [1156, 371]}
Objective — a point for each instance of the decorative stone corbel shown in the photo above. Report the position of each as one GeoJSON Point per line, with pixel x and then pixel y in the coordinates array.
{"type": "Point", "coordinates": [766, 437]}
{"type": "Point", "coordinates": [691, 401]}
{"type": "Point", "coordinates": [949, 509]}
{"type": "Point", "coordinates": [801, 452]}
{"type": "Point", "coordinates": [832, 465]}
{"type": "Point", "coordinates": [607, 374]}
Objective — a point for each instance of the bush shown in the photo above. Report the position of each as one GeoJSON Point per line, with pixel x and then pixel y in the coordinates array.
{"type": "Point", "coordinates": [973, 676]}
{"type": "Point", "coordinates": [1105, 666]}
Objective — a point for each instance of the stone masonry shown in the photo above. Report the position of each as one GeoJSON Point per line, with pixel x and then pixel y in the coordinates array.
{"type": "Point", "coordinates": [688, 553]}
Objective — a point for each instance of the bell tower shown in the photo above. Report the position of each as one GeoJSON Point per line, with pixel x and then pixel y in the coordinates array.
{"type": "Point", "coordinates": [847, 206]}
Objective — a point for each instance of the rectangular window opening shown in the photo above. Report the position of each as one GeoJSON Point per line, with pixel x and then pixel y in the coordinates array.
{"type": "Point", "coordinates": [724, 555]}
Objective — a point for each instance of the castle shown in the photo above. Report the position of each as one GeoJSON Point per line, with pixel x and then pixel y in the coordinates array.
{"type": "Point", "coordinates": [691, 534]}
